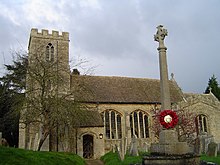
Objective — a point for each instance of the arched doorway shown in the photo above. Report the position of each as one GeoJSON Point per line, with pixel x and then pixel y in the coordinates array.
{"type": "Point", "coordinates": [88, 146]}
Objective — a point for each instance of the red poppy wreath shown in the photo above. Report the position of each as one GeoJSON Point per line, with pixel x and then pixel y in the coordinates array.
{"type": "Point", "coordinates": [168, 119]}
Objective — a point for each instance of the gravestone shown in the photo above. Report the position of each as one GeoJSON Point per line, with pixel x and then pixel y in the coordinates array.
{"type": "Point", "coordinates": [117, 150]}
{"type": "Point", "coordinates": [4, 142]}
{"type": "Point", "coordinates": [0, 138]}
{"type": "Point", "coordinates": [146, 147]}
{"type": "Point", "coordinates": [120, 149]}
{"type": "Point", "coordinates": [120, 152]}
{"type": "Point", "coordinates": [197, 146]}
{"type": "Point", "coordinates": [212, 149]}
{"type": "Point", "coordinates": [134, 149]}
{"type": "Point", "coordinates": [204, 139]}
{"type": "Point", "coordinates": [218, 148]}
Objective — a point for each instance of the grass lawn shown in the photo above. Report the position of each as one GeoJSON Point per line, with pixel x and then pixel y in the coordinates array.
{"type": "Point", "coordinates": [112, 159]}
{"type": "Point", "coordinates": [9, 156]}
{"type": "Point", "coordinates": [211, 159]}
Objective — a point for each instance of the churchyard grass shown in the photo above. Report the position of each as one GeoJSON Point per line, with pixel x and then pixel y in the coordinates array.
{"type": "Point", "coordinates": [112, 159]}
{"type": "Point", "coordinates": [25, 157]}
{"type": "Point", "coordinates": [211, 158]}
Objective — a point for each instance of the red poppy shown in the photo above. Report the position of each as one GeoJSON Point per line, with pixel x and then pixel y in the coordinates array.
{"type": "Point", "coordinates": [168, 119]}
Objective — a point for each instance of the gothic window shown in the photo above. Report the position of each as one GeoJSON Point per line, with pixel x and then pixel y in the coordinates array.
{"type": "Point", "coordinates": [112, 124]}
{"type": "Point", "coordinates": [139, 124]}
{"type": "Point", "coordinates": [49, 52]}
{"type": "Point", "coordinates": [201, 123]}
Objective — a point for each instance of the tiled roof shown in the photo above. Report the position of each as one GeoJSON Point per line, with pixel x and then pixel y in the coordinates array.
{"type": "Point", "coordinates": [87, 118]}
{"type": "Point", "coordinates": [105, 89]}
{"type": "Point", "coordinates": [210, 97]}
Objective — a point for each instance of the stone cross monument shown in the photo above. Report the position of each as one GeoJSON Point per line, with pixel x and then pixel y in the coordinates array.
{"type": "Point", "coordinates": [164, 83]}
{"type": "Point", "coordinates": [168, 139]}
{"type": "Point", "coordinates": [168, 150]}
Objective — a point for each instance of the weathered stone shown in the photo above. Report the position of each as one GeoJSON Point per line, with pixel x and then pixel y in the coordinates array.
{"type": "Point", "coordinates": [212, 149]}
{"type": "Point", "coordinates": [171, 160]}
{"type": "Point", "coordinates": [218, 148]}
{"type": "Point", "coordinates": [169, 151]}
{"type": "Point", "coordinates": [168, 136]}
{"type": "Point", "coordinates": [177, 148]}
{"type": "Point", "coordinates": [4, 142]}
{"type": "Point", "coordinates": [164, 81]}
{"type": "Point", "coordinates": [146, 147]}
{"type": "Point", "coordinates": [197, 146]}
{"type": "Point", "coordinates": [0, 138]}
{"type": "Point", "coordinates": [134, 149]}
{"type": "Point", "coordinates": [204, 139]}
{"type": "Point", "coordinates": [120, 151]}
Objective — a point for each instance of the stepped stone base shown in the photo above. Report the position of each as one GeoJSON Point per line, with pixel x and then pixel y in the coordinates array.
{"type": "Point", "coordinates": [169, 151]}
{"type": "Point", "coordinates": [168, 136]}
{"type": "Point", "coordinates": [169, 145]}
{"type": "Point", "coordinates": [178, 148]}
{"type": "Point", "coordinates": [172, 160]}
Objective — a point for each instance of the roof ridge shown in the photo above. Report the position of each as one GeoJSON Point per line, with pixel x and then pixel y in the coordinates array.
{"type": "Point", "coordinates": [119, 77]}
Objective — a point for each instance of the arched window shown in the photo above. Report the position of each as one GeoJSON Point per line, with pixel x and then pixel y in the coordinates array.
{"type": "Point", "coordinates": [112, 124]}
{"type": "Point", "coordinates": [139, 124]}
{"type": "Point", "coordinates": [49, 52]}
{"type": "Point", "coordinates": [201, 123]}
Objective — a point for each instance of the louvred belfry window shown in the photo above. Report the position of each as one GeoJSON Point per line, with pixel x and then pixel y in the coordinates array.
{"type": "Point", "coordinates": [50, 52]}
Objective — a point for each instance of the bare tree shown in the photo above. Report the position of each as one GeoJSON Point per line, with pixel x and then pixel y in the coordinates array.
{"type": "Point", "coordinates": [46, 103]}
{"type": "Point", "coordinates": [84, 65]}
{"type": "Point", "coordinates": [186, 127]}
{"type": "Point", "coordinates": [156, 126]}
{"type": "Point", "coordinates": [49, 104]}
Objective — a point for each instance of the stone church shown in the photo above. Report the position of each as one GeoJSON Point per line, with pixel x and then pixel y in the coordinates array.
{"type": "Point", "coordinates": [121, 107]}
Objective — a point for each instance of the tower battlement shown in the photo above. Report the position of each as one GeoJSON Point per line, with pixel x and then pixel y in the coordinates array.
{"type": "Point", "coordinates": [45, 34]}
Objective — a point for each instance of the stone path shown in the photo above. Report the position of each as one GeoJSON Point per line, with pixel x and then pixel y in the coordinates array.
{"type": "Point", "coordinates": [94, 162]}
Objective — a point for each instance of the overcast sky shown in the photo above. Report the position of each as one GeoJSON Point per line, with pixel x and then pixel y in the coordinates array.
{"type": "Point", "coordinates": [117, 35]}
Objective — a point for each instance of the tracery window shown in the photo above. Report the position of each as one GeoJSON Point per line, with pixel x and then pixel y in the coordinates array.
{"type": "Point", "coordinates": [50, 52]}
{"type": "Point", "coordinates": [201, 123]}
{"type": "Point", "coordinates": [112, 124]}
{"type": "Point", "coordinates": [139, 124]}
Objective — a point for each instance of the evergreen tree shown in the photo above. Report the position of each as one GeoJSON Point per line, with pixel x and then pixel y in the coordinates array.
{"type": "Point", "coordinates": [213, 86]}
{"type": "Point", "coordinates": [12, 88]}
{"type": "Point", "coordinates": [9, 117]}
{"type": "Point", "coordinates": [15, 78]}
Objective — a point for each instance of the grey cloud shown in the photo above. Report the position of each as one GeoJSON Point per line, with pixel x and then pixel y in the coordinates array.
{"type": "Point", "coordinates": [120, 34]}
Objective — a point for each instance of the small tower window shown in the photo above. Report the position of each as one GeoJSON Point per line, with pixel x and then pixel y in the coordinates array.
{"type": "Point", "coordinates": [49, 52]}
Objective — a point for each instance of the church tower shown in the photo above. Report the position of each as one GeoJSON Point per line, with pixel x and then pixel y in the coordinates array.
{"type": "Point", "coordinates": [54, 49]}
{"type": "Point", "coordinates": [48, 75]}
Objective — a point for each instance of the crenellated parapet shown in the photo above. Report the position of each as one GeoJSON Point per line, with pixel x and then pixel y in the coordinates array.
{"type": "Point", "coordinates": [53, 47]}
{"type": "Point", "coordinates": [45, 34]}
